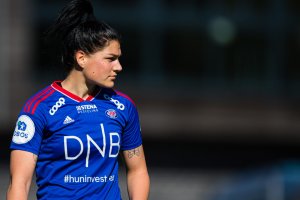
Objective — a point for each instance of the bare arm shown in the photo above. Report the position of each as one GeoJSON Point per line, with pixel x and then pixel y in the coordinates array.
{"type": "Point", "coordinates": [22, 166]}
{"type": "Point", "coordinates": [138, 181]}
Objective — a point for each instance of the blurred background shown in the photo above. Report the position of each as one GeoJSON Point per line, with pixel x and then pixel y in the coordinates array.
{"type": "Point", "coordinates": [216, 83]}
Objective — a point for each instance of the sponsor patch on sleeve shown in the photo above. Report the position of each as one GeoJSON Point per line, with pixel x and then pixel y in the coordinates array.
{"type": "Point", "coordinates": [24, 130]}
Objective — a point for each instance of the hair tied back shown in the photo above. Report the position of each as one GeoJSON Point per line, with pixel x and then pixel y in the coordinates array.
{"type": "Point", "coordinates": [73, 14]}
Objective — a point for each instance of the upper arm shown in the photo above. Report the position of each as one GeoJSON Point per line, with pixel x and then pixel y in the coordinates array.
{"type": "Point", "coordinates": [22, 165]}
{"type": "Point", "coordinates": [135, 158]}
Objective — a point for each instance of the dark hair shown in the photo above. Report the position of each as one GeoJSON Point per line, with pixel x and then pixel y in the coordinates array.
{"type": "Point", "coordinates": [76, 28]}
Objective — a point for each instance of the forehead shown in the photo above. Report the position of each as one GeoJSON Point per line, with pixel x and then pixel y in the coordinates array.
{"type": "Point", "coordinates": [113, 47]}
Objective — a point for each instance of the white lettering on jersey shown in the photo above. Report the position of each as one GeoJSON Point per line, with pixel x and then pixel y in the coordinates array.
{"type": "Point", "coordinates": [58, 104]}
{"type": "Point", "coordinates": [112, 144]}
{"type": "Point", "coordinates": [87, 108]}
{"type": "Point", "coordinates": [91, 140]}
{"type": "Point", "coordinates": [66, 138]}
{"type": "Point", "coordinates": [24, 130]}
{"type": "Point", "coordinates": [119, 105]}
{"type": "Point", "coordinates": [102, 151]}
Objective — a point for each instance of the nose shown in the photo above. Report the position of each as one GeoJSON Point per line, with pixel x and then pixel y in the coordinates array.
{"type": "Point", "coordinates": [117, 67]}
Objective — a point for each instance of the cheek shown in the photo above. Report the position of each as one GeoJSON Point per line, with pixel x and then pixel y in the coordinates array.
{"type": "Point", "coordinates": [95, 73]}
{"type": "Point", "coordinates": [91, 72]}
{"type": "Point", "coordinates": [96, 69]}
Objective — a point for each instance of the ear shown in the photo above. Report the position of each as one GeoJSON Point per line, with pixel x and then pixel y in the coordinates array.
{"type": "Point", "coordinates": [80, 57]}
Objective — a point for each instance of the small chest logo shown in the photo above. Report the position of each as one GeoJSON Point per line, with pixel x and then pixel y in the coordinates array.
{"type": "Point", "coordinates": [68, 120]}
{"type": "Point", "coordinates": [89, 108]}
{"type": "Point", "coordinates": [111, 113]}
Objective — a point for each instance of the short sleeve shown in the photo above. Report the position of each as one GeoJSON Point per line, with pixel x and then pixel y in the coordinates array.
{"type": "Point", "coordinates": [131, 137]}
{"type": "Point", "coordinates": [28, 133]}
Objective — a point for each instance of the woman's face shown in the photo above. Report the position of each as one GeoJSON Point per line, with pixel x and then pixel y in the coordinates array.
{"type": "Point", "coordinates": [101, 68]}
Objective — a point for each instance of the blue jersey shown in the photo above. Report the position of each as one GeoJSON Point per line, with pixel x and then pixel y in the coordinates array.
{"type": "Point", "coordinates": [77, 141]}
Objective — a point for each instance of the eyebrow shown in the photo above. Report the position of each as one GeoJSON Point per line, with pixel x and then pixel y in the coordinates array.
{"type": "Point", "coordinates": [114, 55]}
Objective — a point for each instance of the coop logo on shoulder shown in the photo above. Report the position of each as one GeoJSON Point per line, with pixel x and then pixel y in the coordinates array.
{"type": "Point", "coordinates": [88, 108]}
{"type": "Point", "coordinates": [24, 130]}
{"type": "Point", "coordinates": [119, 105]}
{"type": "Point", "coordinates": [61, 101]}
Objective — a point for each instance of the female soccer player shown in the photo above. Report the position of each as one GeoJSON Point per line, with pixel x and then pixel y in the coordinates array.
{"type": "Point", "coordinates": [71, 132]}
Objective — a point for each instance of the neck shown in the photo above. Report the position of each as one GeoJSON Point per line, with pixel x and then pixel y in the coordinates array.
{"type": "Point", "coordinates": [76, 84]}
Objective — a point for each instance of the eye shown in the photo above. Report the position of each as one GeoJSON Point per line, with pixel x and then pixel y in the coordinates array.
{"type": "Point", "coordinates": [112, 58]}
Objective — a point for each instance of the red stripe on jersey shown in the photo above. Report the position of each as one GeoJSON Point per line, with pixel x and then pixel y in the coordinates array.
{"type": "Point", "coordinates": [124, 95]}
{"type": "Point", "coordinates": [39, 101]}
{"type": "Point", "coordinates": [65, 92]}
{"type": "Point", "coordinates": [27, 107]}
{"type": "Point", "coordinates": [57, 86]}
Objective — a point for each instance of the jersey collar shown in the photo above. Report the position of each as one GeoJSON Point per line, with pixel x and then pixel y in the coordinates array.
{"type": "Point", "coordinates": [57, 86]}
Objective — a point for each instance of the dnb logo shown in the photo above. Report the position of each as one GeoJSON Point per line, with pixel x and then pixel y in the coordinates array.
{"type": "Point", "coordinates": [24, 130]}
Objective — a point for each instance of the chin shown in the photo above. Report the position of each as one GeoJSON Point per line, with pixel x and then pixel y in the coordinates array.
{"type": "Point", "coordinates": [107, 85]}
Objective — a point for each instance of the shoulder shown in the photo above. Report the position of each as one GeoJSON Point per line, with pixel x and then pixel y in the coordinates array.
{"type": "Point", "coordinates": [124, 96]}
{"type": "Point", "coordinates": [111, 94]}
{"type": "Point", "coordinates": [35, 102]}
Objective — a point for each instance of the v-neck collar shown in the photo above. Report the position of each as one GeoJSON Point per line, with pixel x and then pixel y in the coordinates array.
{"type": "Point", "coordinates": [57, 86]}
